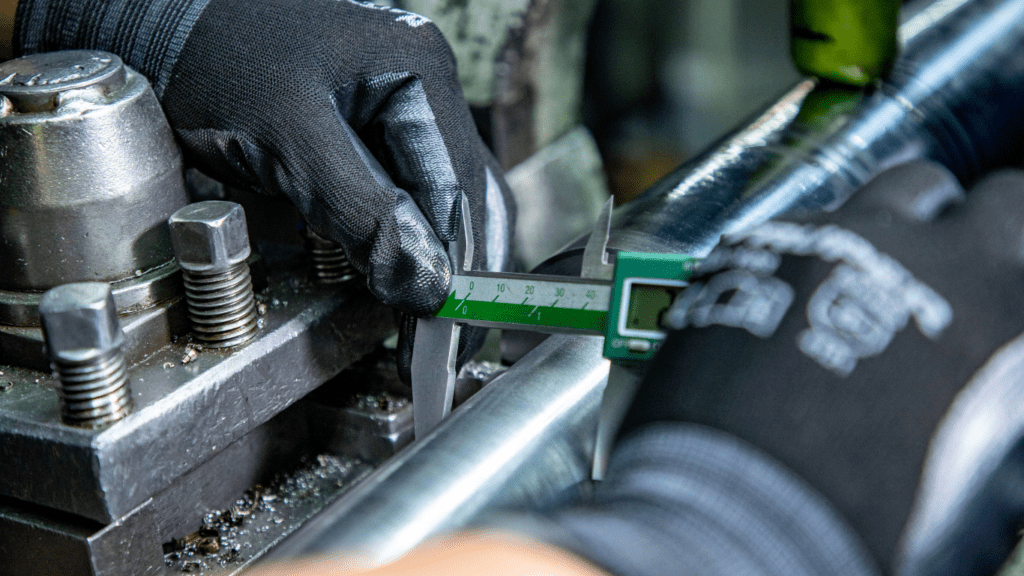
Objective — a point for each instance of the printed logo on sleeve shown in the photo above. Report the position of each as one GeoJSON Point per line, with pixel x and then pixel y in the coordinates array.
{"type": "Point", "coordinates": [855, 313]}
{"type": "Point", "coordinates": [413, 20]}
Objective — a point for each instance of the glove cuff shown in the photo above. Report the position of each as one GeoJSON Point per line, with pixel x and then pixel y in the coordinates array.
{"type": "Point", "coordinates": [688, 499]}
{"type": "Point", "coordinates": [147, 35]}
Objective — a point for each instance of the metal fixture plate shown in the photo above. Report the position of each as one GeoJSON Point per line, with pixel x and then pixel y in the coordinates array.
{"type": "Point", "coordinates": [184, 413]}
{"type": "Point", "coordinates": [32, 538]}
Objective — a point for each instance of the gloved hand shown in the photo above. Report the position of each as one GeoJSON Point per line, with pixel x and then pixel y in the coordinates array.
{"type": "Point", "coordinates": [836, 344]}
{"type": "Point", "coordinates": [351, 110]}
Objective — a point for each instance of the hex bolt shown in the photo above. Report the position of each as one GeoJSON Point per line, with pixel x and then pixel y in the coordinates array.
{"type": "Point", "coordinates": [211, 243]}
{"type": "Point", "coordinates": [330, 263]}
{"type": "Point", "coordinates": [86, 346]}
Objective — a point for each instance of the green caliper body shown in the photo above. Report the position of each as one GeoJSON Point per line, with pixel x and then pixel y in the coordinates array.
{"type": "Point", "coordinates": [627, 311]}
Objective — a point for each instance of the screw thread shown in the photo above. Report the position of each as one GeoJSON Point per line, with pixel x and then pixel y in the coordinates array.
{"type": "Point", "coordinates": [95, 392]}
{"type": "Point", "coordinates": [221, 306]}
{"type": "Point", "coordinates": [330, 263]}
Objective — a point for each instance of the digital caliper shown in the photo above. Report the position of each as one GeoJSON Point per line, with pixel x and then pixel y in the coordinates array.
{"type": "Point", "coordinates": [625, 303]}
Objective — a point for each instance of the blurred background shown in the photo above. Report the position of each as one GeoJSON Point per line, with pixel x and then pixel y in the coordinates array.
{"type": "Point", "coordinates": [665, 79]}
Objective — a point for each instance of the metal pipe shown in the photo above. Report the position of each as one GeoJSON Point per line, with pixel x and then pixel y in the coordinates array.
{"type": "Point", "coordinates": [527, 435]}
{"type": "Point", "coordinates": [531, 430]}
{"type": "Point", "coordinates": [952, 96]}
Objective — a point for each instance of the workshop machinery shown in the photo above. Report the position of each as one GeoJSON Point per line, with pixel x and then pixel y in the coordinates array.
{"type": "Point", "coordinates": [225, 360]}
{"type": "Point", "coordinates": [178, 353]}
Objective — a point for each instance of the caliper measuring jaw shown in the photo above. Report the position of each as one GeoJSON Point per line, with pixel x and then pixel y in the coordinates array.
{"type": "Point", "coordinates": [437, 345]}
{"type": "Point", "coordinates": [437, 338]}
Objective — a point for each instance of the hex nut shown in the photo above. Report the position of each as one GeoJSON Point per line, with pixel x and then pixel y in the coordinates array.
{"type": "Point", "coordinates": [209, 236]}
{"type": "Point", "coordinates": [80, 321]}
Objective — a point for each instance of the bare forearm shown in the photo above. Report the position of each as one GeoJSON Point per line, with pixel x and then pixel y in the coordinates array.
{"type": "Point", "coordinates": [7, 8]}
{"type": "Point", "coordinates": [465, 554]}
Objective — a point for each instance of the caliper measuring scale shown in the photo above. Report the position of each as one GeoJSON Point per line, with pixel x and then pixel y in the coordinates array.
{"type": "Point", "coordinates": [623, 302]}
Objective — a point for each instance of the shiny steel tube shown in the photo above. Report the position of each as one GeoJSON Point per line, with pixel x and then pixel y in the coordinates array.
{"type": "Point", "coordinates": [527, 435]}
{"type": "Point", "coordinates": [953, 96]}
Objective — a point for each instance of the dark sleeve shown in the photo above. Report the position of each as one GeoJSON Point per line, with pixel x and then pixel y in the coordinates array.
{"type": "Point", "coordinates": [682, 499]}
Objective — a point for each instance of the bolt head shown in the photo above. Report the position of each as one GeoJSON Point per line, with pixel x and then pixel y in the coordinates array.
{"type": "Point", "coordinates": [209, 236]}
{"type": "Point", "coordinates": [80, 321]}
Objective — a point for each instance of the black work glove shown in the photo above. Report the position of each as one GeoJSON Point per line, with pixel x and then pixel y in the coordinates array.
{"type": "Point", "coordinates": [353, 111]}
{"type": "Point", "coordinates": [836, 344]}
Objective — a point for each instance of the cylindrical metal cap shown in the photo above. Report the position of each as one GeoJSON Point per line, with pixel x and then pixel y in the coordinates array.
{"type": "Point", "coordinates": [35, 83]}
{"type": "Point", "coordinates": [89, 175]}
{"type": "Point", "coordinates": [209, 236]}
{"type": "Point", "coordinates": [80, 322]}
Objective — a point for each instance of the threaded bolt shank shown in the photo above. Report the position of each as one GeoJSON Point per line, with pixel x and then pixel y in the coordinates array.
{"type": "Point", "coordinates": [86, 345]}
{"type": "Point", "coordinates": [330, 263]}
{"type": "Point", "coordinates": [221, 306]}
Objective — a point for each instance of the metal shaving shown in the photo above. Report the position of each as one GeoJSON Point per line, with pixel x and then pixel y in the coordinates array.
{"type": "Point", "coordinates": [384, 403]}
{"type": "Point", "coordinates": [191, 353]}
{"type": "Point", "coordinates": [222, 540]}
{"type": "Point", "coordinates": [481, 370]}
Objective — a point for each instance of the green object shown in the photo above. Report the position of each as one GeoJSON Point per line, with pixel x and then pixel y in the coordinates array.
{"type": "Point", "coordinates": [645, 285]}
{"type": "Point", "coordinates": [627, 311]}
{"type": "Point", "coordinates": [846, 41]}
{"type": "Point", "coordinates": [523, 301]}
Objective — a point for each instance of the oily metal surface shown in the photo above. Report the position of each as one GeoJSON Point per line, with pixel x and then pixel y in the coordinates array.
{"type": "Point", "coordinates": [185, 413]}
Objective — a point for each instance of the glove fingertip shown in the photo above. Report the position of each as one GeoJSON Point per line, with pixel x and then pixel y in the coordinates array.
{"type": "Point", "coordinates": [416, 280]}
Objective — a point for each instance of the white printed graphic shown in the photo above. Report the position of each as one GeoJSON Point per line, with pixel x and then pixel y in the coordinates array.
{"type": "Point", "coordinates": [865, 301]}
{"type": "Point", "coordinates": [855, 313]}
{"type": "Point", "coordinates": [413, 20]}
{"type": "Point", "coordinates": [757, 304]}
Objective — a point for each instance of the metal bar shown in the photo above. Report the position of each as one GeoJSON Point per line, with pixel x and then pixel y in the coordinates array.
{"type": "Point", "coordinates": [525, 434]}
{"type": "Point", "coordinates": [951, 97]}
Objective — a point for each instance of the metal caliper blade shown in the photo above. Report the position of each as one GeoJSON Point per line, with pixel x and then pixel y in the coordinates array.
{"type": "Point", "coordinates": [622, 382]}
{"type": "Point", "coordinates": [595, 253]}
{"type": "Point", "coordinates": [437, 345]}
